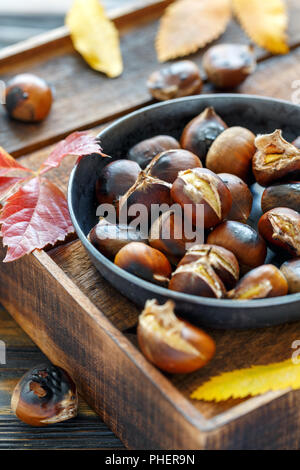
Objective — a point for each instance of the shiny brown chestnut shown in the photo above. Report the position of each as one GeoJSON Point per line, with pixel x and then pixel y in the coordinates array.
{"type": "Point", "coordinates": [109, 238]}
{"type": "Point", "coordinates": [146, 191]}
{"type": "Point", "coordinates": [28, 98]}
{"type": "Point", "coordinates": [232, 152]}
{"type": "Point", "coordinates": [242, 198]}
{"type": "Point", "coordinates": [281, 195]}
{"type": "Point", "coordinates": [222, 261]}
{"type": "Point", "coordinates": [280, 227]}
{"type": "Point", "coordinates": [275, 159]}
{"type": "Point", "coordinates": [168, 164]}
{"type": "Point", "coordinates": [198, 278]}
{"type": "Point", "coordinates": [201, 132]}
{"type": "Point", "coordinates": [115, 179]}
{"type": "Point", "coordinates": [45, 395]}
{"type": "Point", "coordinates": [145, 262]}
{"type": "Point", "coordinates": [143, 152]}
{"type": "Point", "coordinates": [243, 241]}
{"type": "Point", "coordinates": [202, 186]}
{"type": "Point", "coordinates": [228, 65]}
{"type": "Point", "coordinates": [260, 283]}
{"type": "Point", "coordinates": [167, 235]}
{"type": "Point", "coordinates": [179, 79]}
{"type": "Point", "coordinates": [291, 271]}
{"type": "Point", "coordinates": [173, 345]}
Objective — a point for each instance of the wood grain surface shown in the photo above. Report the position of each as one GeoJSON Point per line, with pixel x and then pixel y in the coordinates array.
{"type": "Point", "coordinates": [89, 321]}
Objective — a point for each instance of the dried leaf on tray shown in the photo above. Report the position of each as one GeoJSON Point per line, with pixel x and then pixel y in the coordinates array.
{"type": "Point", "coordinates": [265, 21]}
{"type": "Point", "coordinates": [252, 381]}
{"type": "Point", "coordinates": [188, 25]}
{"type": "Point", "coordinates": [95, 37]}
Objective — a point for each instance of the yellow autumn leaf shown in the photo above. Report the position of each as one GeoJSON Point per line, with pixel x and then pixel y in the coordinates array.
{"type": "Point", "coordinates": [95, 37]}
{"type": "Point", "coordinates": [188, 25]}
{"type": "Point", "coordinates": [255, 380]}
{"type": "Point", "coordinates": [265, 21]}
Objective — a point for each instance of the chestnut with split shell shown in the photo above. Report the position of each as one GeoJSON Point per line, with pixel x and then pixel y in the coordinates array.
{"type": "Point", "coordinates": [260, 283]}
{"type": "Point", "coordinates": [45, 395]}
{"type": "Point", "coordinates": [179, 79]}
{"type": "Point", "coordinates": [201, 132]}
{"type": "Point", "coordinates": [168, 164]}
{"type": "Point", "coordinates": [200, 186]}
{"type": "Point", "coordinates": [145, 262]}
{"type": "Point", "coordinates": [280, 227]}
{"type": "Point", "coordinates": [275, 159]}
{"type": "Point", "coordinates": [243, 241]}
{"type": "Point", "coordinates": [109, 238]}
{"type": "Point", "coordinates": [173, 345]}
{"type": "Point", "coordinates": [222, 261]}
{"type": "Point", "coordinates": [232, 152]}
{"type": "Point", "coordinates": [143, 152]}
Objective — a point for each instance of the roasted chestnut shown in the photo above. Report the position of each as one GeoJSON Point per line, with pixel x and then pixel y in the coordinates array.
{"type": "Point", "coordinates": [45, 395]}
{"type": "Point", "coordinates": [275, 159]}
{"type": "Point", "coordinates": [232, 152]}
{"type": "Point", "coordinates": [175, 80]}
{"type": "Point", "coordinates": [143, 152]}
{"type": "Point", "coordinates": [109, 238]}
{"type": "Point", "coordinates": [115, 179]}
{"type": "Point", "coordinates": [201, 132]}
{"type": "Point", "coordinates": [198, 278]}
{"type": "Point", "coordinates": [167, 235]}
{"type": "Point", "coordinates": [221, 260]}
{"type": "Point", "coordinates": [173, 345]}
{"type": "Point", "coordinates": [281, 195]}
{"type": "Point", "coordinates": [242, 198]}
{"type": "Point", "coordinates": [227, 65]}
{"type": "Point", "coordinates": [243, 241]}
{"type": "Point", "coordinates": [145, 262]}
{"type": "Point", "coordinates": [168, 164]}
{"type": "Point", "coordinates": [291, 271]}
{"type": "Point", "coordinates": [280, 227]}
{"type": "Point", "coordinates": [260, 283]}
{"type": "Point", "coordinates": [146, 191]}
{"type": "Point", "coordinates": [28, 98]}
{"type": "Point", "coordinates": [202, 186]}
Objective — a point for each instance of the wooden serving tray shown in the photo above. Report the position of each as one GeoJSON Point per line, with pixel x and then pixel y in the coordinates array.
{"type": "Point", "coordinates": [84, 325]}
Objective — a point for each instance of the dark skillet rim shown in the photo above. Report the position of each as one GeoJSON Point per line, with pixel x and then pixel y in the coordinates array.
{"type": "Point", "coordinates": [162, 291]}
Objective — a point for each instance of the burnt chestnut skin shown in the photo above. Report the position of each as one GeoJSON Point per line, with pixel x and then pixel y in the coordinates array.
{"type": "Point", "coordinates": [281, 195]}
{"type": "Point", "coordinates": [115, 180]}
{"type": "Point", "coordinates": [28, 98]}
{"type": "Point", "coordinates": [45, 395]}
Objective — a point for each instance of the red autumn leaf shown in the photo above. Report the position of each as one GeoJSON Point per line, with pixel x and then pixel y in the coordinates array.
{"type": "Point", "coordinates": [7, 183]}
{"type": "Point", "coordinates": [7, 162]}
{"type": "Point", "coordinates": [77, 144]}
{"type": "Point", "coordinates": [35, 216]}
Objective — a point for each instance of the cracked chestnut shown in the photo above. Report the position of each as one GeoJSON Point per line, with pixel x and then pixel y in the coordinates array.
{"type": "Point", "coordinates": [222, 261]}
{"type": "Point", "coordinates": [242, 198]}
{"type": "Point", "coordinates": [200, 186]}
{"type": "Point", "coordinates": [115, 179]}
{"type": "Point", "coordinates": [228, 65]}
{"type": "Point", "coordinates": [45, 395]}
{"type": "Point", "coordinates": [201, 132]}
{"type": "Point", "coordinates": [145, 262]}
{"type": "Point", "coordinates": [280, 227]}
{"type": "Point", "coordinates": [260, 283]}
{"type": "Point", "coordinates": [291, 271]}
{"type": "Point", "coordinates": [243, 241]}
{"type": "Point", "coordinates": [179, 79]}
{"type": "Point", "coordinates": [171, 344]}
{"type": "Point", "coordinates": [232, 152]}
{"type": "Point", "coordinates": [143, 152]}
{"type": "Point", "coordinates": [28, 98]}
{"type": "Point", "coordinates": [109, 238]}
{"type": "Point", "coordinates": [168, 164]}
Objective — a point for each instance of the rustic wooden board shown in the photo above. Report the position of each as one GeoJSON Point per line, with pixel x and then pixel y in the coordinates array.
{"type": "Point", "coordinates": [79, 321]}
